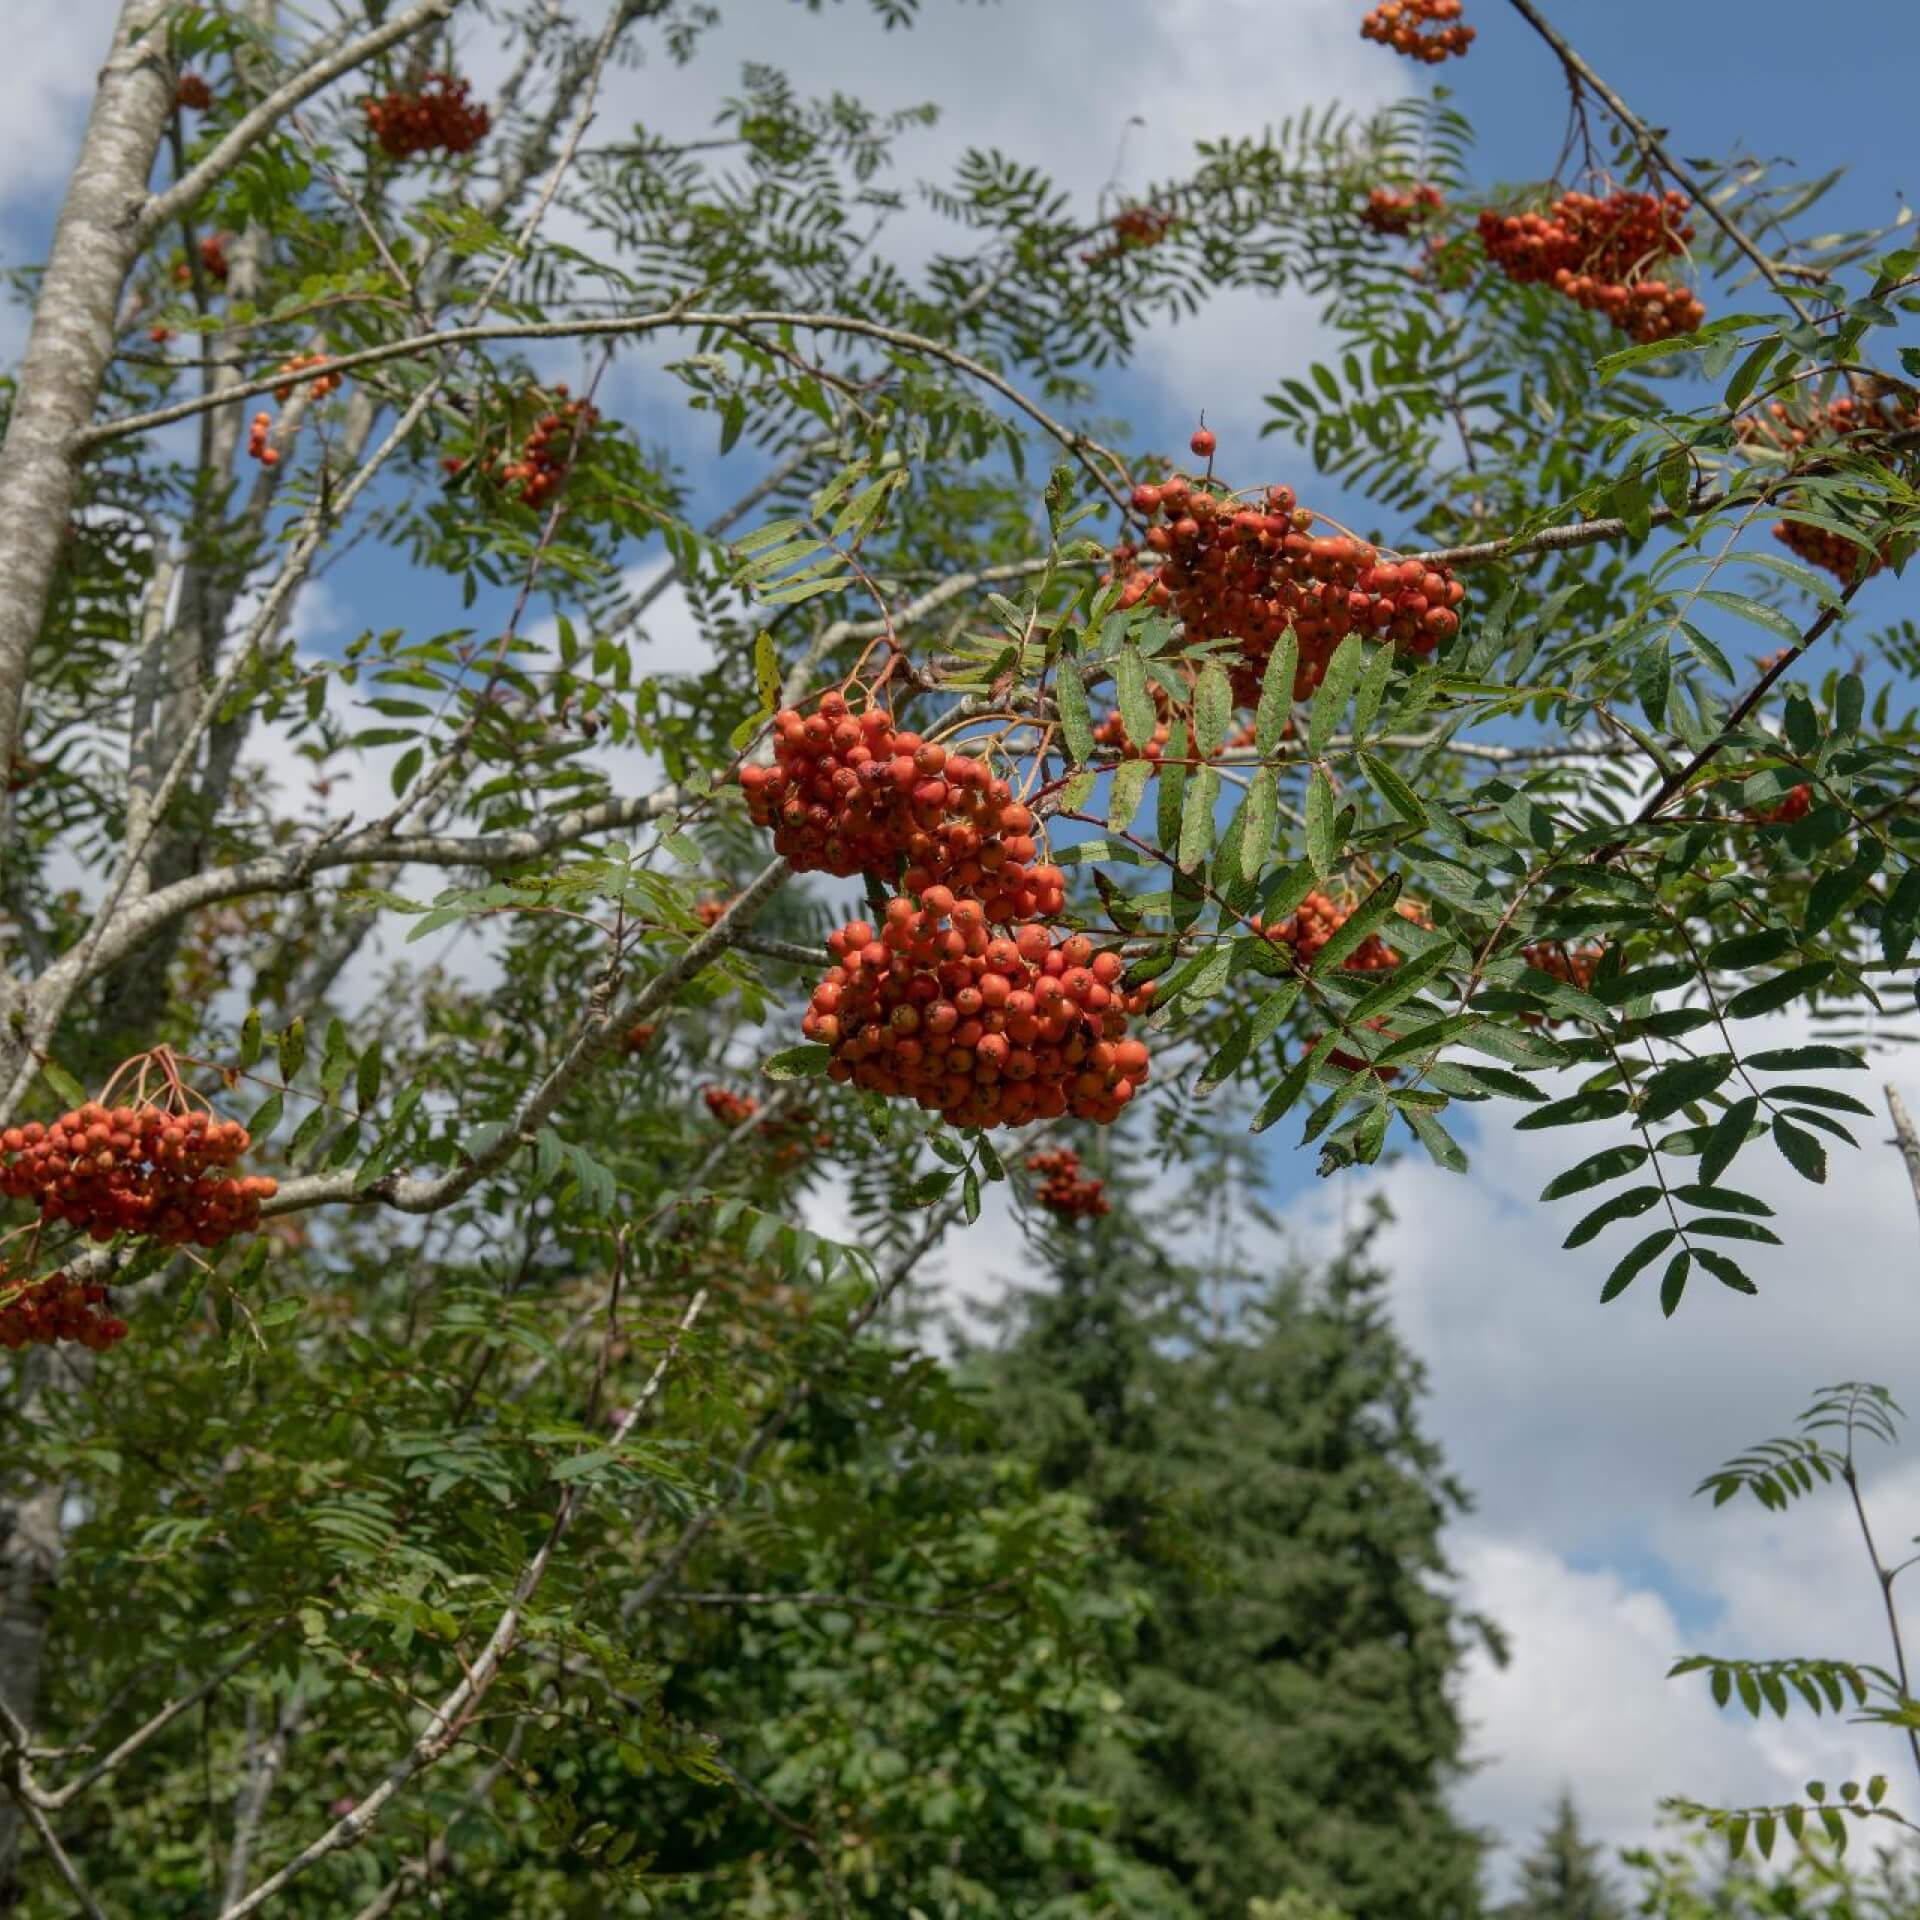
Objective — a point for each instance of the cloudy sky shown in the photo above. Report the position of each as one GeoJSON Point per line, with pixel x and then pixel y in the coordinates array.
{"type": "Point", "coordinates": [1582, 1430]}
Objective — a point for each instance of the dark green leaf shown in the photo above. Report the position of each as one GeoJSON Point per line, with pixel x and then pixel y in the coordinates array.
{"type": "Point", "coordinates": [1611, 1163]}
{"type": "Point", "coordinates": [1623, 1206]}
{"type": "Point", "coordinates": [1630, 1267]}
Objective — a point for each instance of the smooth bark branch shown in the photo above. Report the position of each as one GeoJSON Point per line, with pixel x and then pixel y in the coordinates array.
{"type": "Point", "coordinates": [1905, 1137]}
{"type": "Point", "coordinates": [1081, 446]}
{"type": "Point", "coordinates": [252, 1807]}
{"type": "Point", "coordinates": [70, 344]}
{"type": "Point", "coordinates": [252, 127]}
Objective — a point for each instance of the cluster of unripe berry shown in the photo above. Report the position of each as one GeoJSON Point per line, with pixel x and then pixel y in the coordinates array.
{"type": "Point", "coordinates": [318, 388]}
{"type": "Point", "coordinates": [438, 117]}
{"type": "Point", "coordinates": [191, 91]}
{"type": "Point", "coordinates": [1316, 920]}
{"type": "Point", "coordinates": [1596, 252]}
{"type": "Point", "coordinates": [849, 795]}
{"type": "Point", "coordinates": [44, 1312]}
{"type": "Point", "coordinates": [1392, 210]}
{"type": "Point", "coordinates": [1429, 30]}
{"type": "Point", "coordinates": [1247, 572]}
{"type": "Point", "coordinates": [986, 1030]}
{"type": "Point", "coordinates": [1133, 228]}
{"type": "Point", "coordinates": [156, 1170]}
{"type": "Point", "coordinates": [1064, 1189]}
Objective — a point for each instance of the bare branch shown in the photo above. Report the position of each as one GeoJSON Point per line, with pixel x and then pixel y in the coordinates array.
{"type": "Point", "coordinates": [1081, 446]}
{"type": "Point", "coordinates": [1905, 1137]}
{"type": "Point", "coordinates": [252, 1809]}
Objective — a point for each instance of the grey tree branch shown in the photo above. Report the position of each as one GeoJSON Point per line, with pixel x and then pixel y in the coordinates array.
{"type": "Point", "coordinates": [1081, 446]}
{"type": "Point", "coordinates": [1905, 1137]}
{"type": "Point", "coordinates": [71, 342]}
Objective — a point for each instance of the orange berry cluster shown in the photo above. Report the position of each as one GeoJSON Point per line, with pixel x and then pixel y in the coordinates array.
{"type": "Point", "coordinates": [548, 450]}
{"type": "Point", "coordinates": [983, 1029]}
{"type": "Point", "coordinates": [731, 1109]}
{"type": "Point", "coordinates": [1358, 1063]}
{"type": "Point", "coordinates": [1832, 552]}
{"type": "Point", "coordinates": [849, 795]}
{"type": "Point", "coordinates": [1317, 919]}
{"type": "Point", "coordinates": [326, 383]}
{"type": "Point", "coordinates": [438, 116]}
{"type": "Point", "coordinates": [259, 441]}
{"type": "Point", "coordinates": [192, 91]}
{"type": "Point", "coordinates": [148, 1169]}
{"type": "Point", "coordinates": [1248, 573]}
{"type": "Point", "coordinates": [1573, 966]}
{"type": "Point", "coordinates": [1133, 228]}
{"type": "Point", "coordinates": [1429, 30]}
{"type": "Point", "coordinates": [1594, 251]}
{"type": "Point", "coordinates": [793, 1135]}
{"type": "Point", "coordinates": [1064, 1190]}
{"type": "Point", "coordinates": [1392, 211]}
{"type": "Point", "coordinates": [1112, 730]}
{"type": "Point", "coordinates": [708, 912]}
{"type": "Point", "coordinates": [1877, 408]}
{"type": "Point", "coordinates": [213, 262]}
{"type": "Point", "coordinates": [44, 1312]}
{"type": "Point", "coordinates": [1795, 804]}
{"type": "Point", "coordinates": [637, 1039]}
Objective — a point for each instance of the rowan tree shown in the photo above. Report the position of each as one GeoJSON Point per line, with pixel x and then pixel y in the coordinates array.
{"type": "Point", "coordinates": [1146, 796]}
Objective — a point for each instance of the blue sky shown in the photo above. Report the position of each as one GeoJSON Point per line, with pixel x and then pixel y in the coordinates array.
{"type": "Point", "coordinates": [1582, 1430]}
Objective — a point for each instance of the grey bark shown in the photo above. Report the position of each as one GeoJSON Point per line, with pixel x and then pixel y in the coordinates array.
{"type": "Point", "coordinates": [71, 341]}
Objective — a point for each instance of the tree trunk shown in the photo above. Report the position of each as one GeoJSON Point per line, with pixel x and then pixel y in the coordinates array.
{"type": "Point", "coordinates": [71, 341]}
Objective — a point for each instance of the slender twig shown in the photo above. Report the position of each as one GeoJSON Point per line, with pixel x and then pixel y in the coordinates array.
{"type": "Point", "coordinates": [1905, 1137]}
{"type": "Point", "coordinates": [1655, 153]}
{"type": "Point", "coordinates": [1082, 446]}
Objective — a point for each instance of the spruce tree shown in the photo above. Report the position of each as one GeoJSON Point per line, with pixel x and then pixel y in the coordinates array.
{"type": "Point", "coordinates": [1562, 1878]}
{"type": "Point", "coordinates": [1254, 1447]}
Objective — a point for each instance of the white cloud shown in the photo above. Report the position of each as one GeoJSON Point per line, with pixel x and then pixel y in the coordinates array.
{"type": "Point", "coordinates": [1583, 1430]}
{"type": "Point", "coordinates": [1584, 1704]}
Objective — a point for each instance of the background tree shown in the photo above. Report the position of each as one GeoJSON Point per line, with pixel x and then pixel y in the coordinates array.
{"type": "Point", "coordinates": [1563, 1877]}
{"type": "Point", "coordinates": [1253, 1445]}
